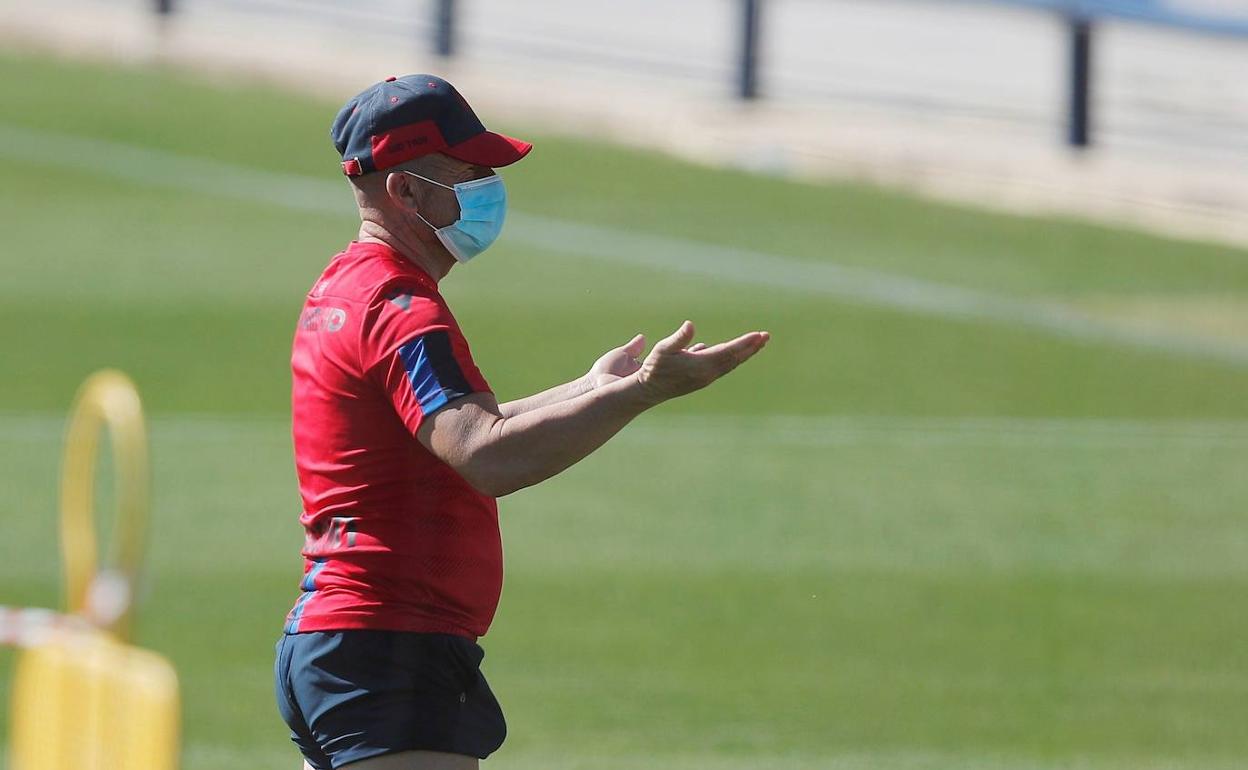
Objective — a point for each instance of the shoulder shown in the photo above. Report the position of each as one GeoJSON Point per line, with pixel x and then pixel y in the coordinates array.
{"type": "Point", "coordinates": [370, 274]}
{"type": "Point", "coordinates": [400, 309]}
{"type": "Point", "coordinates": [402, 296]}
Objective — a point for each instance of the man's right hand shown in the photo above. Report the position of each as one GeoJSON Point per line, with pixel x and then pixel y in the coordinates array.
{"type": "Point", "coordinates": [674, 368]}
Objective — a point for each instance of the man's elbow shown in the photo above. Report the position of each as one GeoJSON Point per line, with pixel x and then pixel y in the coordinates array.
{"type": "Point", "coordinates": [492, 469]}
{"type": "Point", "coordinates": [471, 448]}
{"type": "Point", "coordinates": [491, 482]}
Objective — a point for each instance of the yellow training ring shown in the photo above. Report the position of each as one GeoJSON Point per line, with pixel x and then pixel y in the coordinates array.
{"type": "Point", "coordinates": [106, 598]}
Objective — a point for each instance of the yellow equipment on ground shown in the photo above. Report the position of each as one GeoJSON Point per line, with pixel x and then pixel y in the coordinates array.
{"type": "Point", "coordinates": [84, 699]}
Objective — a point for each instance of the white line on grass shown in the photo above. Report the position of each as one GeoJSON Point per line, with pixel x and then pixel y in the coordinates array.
{"type": "Point", "coordinates": [158, 168]}
{"type": "Point", "coordinates": [919, 432]}
{"type": "Point", "coordinates": [814, 431]}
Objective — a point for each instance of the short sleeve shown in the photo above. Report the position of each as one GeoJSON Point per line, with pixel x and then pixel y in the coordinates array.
{"type": "Point", "coordinates": [414, 350]}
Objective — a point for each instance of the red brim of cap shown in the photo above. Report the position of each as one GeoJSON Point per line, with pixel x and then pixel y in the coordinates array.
{"type": "Point", "coordinates": [489, 149]}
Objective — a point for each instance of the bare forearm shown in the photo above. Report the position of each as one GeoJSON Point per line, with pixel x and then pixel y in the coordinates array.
{"type": "Point", "coordinates": [567, 390]}
{"type": "Point", "coordinates": [501, 449]}
{"type": "Point", "coordinates": [531, 446]}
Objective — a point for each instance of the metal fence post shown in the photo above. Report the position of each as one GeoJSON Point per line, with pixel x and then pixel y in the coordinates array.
{"type": "Point", "coordinates": [1079, 133]}
{"type": "Point", "coordinates": [444, 27]}
{"type": "Point", "coordinates": [747, 84]}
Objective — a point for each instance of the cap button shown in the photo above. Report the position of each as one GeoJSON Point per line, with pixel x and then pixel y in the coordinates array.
{"type": "Point", "coordinates": [391, 79]}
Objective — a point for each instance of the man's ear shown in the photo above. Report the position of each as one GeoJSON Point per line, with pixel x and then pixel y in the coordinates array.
{"type": "Point", "coordinates": [400, 190]}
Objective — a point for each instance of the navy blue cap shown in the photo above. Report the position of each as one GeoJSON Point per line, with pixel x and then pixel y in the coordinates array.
{"type": "Point", "coordinates": [403, 118]}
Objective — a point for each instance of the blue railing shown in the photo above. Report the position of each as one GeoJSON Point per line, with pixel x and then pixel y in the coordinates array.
{"type": "Point", "coordinates": [1081, 15]}
{"type": "Point", "coordinates": [1217, 17]}
{"type": "Point", "coordinates": [1194, 16]}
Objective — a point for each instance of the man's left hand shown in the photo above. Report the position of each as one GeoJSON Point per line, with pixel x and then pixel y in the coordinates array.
{"type": "Point", "coordinates": [617, 362]}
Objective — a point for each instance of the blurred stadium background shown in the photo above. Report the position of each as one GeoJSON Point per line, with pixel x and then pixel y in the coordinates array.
{"type": "Point", "coordinates": [979, 505]}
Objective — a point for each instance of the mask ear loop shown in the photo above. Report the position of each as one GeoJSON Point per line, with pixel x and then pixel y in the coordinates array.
{"type": "Point", "coordinates": [430, 181]}
{"type": "Point", "coordinates": [427, 222]}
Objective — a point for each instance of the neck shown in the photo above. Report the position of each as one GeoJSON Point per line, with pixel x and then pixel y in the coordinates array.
{"type": "Point", "coordinates": [411, 249]}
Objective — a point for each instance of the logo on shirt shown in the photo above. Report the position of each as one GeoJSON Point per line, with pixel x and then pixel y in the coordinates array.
{"type": "Point", "coordinates": [327, 319]}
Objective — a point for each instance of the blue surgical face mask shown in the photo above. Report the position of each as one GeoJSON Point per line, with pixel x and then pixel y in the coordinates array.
{"type": "Point", "coordinates": [482, 209]}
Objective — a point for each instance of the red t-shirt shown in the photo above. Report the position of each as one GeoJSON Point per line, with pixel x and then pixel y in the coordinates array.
{"type": "Point", "coordinates": [395, 539]}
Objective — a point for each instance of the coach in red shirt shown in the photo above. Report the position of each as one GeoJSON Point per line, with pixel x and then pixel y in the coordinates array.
{"type": "Point", "coordinates": [401, 447]}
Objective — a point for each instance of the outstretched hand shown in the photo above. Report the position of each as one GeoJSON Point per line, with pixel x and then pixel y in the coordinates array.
{"type": "Point", "coordinates": [675, 368]}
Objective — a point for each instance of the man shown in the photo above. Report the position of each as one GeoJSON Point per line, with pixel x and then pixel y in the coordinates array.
{"type": "Point", "coordinates": [401, 448]}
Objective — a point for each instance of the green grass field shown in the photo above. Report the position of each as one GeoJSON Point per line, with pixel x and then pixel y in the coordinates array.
{"type": "Point", "coordinates": [898, 540]}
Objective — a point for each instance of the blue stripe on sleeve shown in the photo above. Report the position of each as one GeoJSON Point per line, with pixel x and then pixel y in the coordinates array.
{"type": "Point", "coordinates": [424, 380]}
{"type": "Point", "coordinates": [431, 367]}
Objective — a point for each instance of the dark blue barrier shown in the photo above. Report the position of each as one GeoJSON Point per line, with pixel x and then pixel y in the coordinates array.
{"type": "Point", "coordinates": [1079, 120]}
{"type": "Point", "coordinates": [444, 27]}
{"type": "Point", "coordinates": [747, 80]}
{"type": "Point", "coordinates": [1215, 17]}
{"type": "Point", "coordinates": [1190, 15]}
{"type": "Point", "coordinates": [1193, 16]}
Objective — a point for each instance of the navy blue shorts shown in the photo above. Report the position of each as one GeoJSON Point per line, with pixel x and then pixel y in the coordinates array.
{"type": "Point", "coordinates": [352, 695]}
